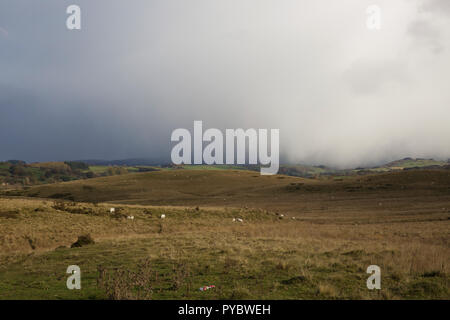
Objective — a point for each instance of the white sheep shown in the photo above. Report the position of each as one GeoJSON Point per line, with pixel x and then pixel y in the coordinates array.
{"type": "Point", "coordinates": [130, 217]}
{"type": "Point", "coordinates": [239, 220]}
{"type": "Point", "coordinates": [163, 216]}
{"type": "Point", "coordinates": [112, 210]}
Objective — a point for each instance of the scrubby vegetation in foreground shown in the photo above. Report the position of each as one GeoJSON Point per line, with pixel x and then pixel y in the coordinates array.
{"type": "Point", "coordinates": [270, 255]}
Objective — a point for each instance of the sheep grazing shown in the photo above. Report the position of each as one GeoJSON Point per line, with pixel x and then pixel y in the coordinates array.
{"type": "Point", "coordinates": [130, 217]}
{"type": "Point", "coordinates": [237, 220]}
{"type": "Point", "coordinates": [112, 210]}
{"type": "Point", "coordinates": [163, 216]}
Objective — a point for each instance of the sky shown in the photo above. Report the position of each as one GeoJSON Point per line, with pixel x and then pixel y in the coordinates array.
{"type": "Point", "coordinates": [341, 94]}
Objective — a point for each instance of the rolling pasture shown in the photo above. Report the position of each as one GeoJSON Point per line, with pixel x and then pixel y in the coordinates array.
{"type": "Point", "coordinates": [298, 239]}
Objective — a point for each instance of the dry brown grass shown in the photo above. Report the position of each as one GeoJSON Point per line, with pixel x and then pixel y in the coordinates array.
{"type": "Point", "coordinates": [322, 253]}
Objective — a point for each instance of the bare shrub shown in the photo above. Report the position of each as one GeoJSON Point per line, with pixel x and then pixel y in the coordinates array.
{"type": "Point", "coordinates": [125, 284]}
{"type": "Point", "coordinates": [120, 284]}
{"type": "Point", "coordinates": [83, 241]}
{"type": "Point", "coordinates": [180, 276]}
{"type": "Point", "coordinates": [71, 207]}
{"type": "Point", "coordinates": [9, 214]}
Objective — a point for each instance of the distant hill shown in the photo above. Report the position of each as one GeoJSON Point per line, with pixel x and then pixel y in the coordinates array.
{"type": "Point", "coordinates": [16, 172]}
{"type": "Point", "coordinates": [411, 163]}
{"type": "Point", "coordinates": [308, 171]}
{"type": "Point", "coordinates": [239, 188]}
{"type": "Point", "coordinates": [127, 162]}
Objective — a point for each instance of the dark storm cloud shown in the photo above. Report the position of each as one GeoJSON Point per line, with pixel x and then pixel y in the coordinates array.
{"type": "Point", "coordinates": [3, 32]}
{"type": "Point", "coordinates": [339, 93]}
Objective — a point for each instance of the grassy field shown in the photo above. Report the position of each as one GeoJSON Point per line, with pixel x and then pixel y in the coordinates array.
{"type": "Point", "coordinates": [299, 239]}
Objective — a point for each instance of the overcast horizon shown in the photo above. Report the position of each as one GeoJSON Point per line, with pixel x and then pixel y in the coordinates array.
{"type": "Point", "coordinates": [341, 95]}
